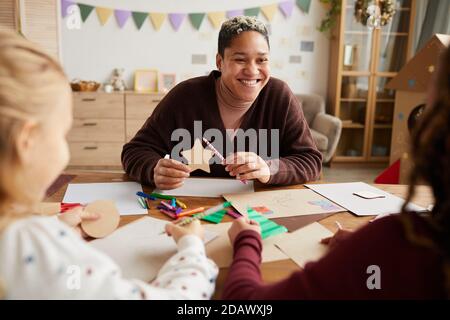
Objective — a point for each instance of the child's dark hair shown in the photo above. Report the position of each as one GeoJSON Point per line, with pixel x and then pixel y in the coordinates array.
{"type": "Point", "coordinates": [430, 151]}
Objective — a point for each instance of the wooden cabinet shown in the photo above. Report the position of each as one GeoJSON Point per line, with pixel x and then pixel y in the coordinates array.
{"type": "Point", "coordinates": [103, 123]}
{"type": "Point", "coordinates": [362, 61]}
{"type": "Point", "coordinates": [139, 107]}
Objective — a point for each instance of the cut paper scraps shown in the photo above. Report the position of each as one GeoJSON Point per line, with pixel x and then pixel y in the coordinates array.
{"type": "Point", "coordinates": [215, 217]}
{"type": "Point", "coordinates": [268, 227]}
{"type": "Point", "coordinates": [198, 157]}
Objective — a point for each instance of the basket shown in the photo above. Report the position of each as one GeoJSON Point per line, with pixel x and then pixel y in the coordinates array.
{"type": "Point", "coordinates": [84, 85]}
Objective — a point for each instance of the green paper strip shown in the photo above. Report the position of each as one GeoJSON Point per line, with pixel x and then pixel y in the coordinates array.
{"type": "Point", "coordinates": [268, 227]}
{"type": "Point", "coordinates": [85, 11]}
{"type": "Point", "coordinates": [304, 5]}
{"type": "Point", "coordinates": [139, 18]}
{"type": "Point", "coordinates": [252, 12]}
{"type": "Point", "coordinates": [215, 217]}
{"type": "Point", "coordinates": [196, 19]}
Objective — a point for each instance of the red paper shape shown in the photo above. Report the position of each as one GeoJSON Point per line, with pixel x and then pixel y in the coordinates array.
{"type": "Point", "coordinates": [391, 175]}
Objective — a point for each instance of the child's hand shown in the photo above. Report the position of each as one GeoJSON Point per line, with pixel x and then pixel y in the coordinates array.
{"type": "Point", "coordinates": [74, 217]}
{"type": "Point", "coordinates": [240, 225]}
{"type": "Point", "coordinates": [178, 232]}
{"type": "Point", "coordinates": [337, 238]}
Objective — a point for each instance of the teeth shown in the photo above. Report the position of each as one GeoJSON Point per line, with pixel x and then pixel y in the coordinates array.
{"type": "Point", "coordinates": [249, 82]}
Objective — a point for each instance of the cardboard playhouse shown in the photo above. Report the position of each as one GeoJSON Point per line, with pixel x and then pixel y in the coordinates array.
{"type": "Point", "coordinates": [411, 85]}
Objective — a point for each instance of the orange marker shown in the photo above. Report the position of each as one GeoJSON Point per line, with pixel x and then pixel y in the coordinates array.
{"type": "Point", "coordinates": [190, 212]}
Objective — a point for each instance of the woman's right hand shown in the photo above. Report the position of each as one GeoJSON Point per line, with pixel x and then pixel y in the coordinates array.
{"type": "Point", "coordinates": [170, 174]}
{"type": "Point", "coordinates": [240, 225]}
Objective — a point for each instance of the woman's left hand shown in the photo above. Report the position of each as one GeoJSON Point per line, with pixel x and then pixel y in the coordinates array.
{"type": "Point", "coordinates": [74, 217]}
{"type": "Point", "coordinates": [246, 166]}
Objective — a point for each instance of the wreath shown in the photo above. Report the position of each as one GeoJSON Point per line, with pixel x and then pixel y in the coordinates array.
{"type": "Point", "coordinates": [386, 11]}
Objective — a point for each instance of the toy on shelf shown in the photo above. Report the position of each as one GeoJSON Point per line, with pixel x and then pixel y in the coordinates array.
{"type": "Point", "coordinates": [117, 82]}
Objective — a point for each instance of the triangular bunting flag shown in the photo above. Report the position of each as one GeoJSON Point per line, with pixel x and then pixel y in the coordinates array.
{"type": "Point", "coordinates": [103, 14]}
{"type": "Point", "coordinates": [65, 4]}
{"type": "Point", "coordinates": [286, 8]}
{"type": "Point", "coordinates": [85, 11]}
{"type": "Point", "coordinates": [176, 19]}
{"type": "Point", "coordinates": [269, 11]}
{"type": "Point", "coordinates": [304, 5]}
{"type": "Point", "coordinates": [216, 18]}
{"type": "Point", "coordinates": [196, 19]}
{"type": "Point", "coordinates": [235, 13]}
{"type": "Point", "coordinates": [139, 18]}
{"type": "Point", "coordinates": [252, 12]}
{"type": "Point", "coordinates": [157, 19]}
{"type": "Point", "coordinates": [268, 227]}
{"type": "Point", "coordinates": [122, 16]}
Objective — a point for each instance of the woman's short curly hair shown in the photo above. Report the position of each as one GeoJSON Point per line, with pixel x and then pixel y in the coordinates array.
{"type": "Point", "coordinates": [234, 26]}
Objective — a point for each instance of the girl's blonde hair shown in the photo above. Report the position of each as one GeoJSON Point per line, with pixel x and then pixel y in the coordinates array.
{"type": "Point", "coordinates": [29, 78]}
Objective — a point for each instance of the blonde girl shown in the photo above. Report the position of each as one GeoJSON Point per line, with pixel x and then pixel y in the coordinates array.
{"type": "Point", "coordinates": [36, 252]}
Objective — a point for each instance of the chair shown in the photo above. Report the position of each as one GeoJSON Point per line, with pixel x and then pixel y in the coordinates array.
{"type": "Point", "coordinates": [325, 129]}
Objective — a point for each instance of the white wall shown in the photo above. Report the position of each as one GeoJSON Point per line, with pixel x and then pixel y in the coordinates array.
{"type": "Point", "coordinates": [91, 52]}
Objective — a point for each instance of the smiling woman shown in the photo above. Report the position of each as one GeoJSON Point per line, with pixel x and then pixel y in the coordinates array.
{"type": "Point", "coordinates": [240, 97]}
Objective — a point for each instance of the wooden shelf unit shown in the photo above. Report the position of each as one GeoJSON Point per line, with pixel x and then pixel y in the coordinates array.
{"type": "Point", "coordinates": [103, 123]}
{"type": "Point", "coordinates": [365, 62]}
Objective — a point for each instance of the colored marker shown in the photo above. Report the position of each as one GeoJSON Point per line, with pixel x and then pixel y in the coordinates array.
{"type": "Point", "coordinates": [181, 204]}
{"type": "Point", "coordinates": [217, 153]}
{"type": "Point", "coordinates": [171, 208]}
{"type": "Point", "coordinates": [64, 206]}
{"type": "Point", "coordinates": [168, 206]}
{"type": "Point", "coordinates": [168, 213]}
{"type": "Point", "coordinates": [144, 195]}
{"type": "Point", "coordinates": [161, 196]}
{"type": "Point", "coordinates": [190, 212]}
{"type": "Point", "coordinates": [141, 202]}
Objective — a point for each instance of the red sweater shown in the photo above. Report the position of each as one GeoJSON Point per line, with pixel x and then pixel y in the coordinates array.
{"type": "Point", "coordinates": [276, 107]}
{"type": "Point", "coordinates": [407, 271]}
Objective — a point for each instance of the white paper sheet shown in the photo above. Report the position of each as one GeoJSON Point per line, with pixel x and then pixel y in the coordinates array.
{"type": "Point", "coordinates": [122, 193]}
{"type": "Point", "coordinates": [139, 248]}
{"type": "Point", "coordinates": [342, 194]}
{"type": "Point", "coordinates": [304, 245]}
{"type": "Point", "coordinates": [209, 187]}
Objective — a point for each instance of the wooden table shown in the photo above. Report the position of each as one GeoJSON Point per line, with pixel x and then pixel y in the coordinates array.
{"type": "Point", "coordinates": [272, 271]}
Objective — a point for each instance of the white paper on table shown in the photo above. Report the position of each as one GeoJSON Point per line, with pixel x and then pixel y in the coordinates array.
{"type": "Point", "coordinates": [342, 194]}
{"type": "Point", "coordinates": [122, 193]}
{"type": "Point", "coordinates": [139, 248]}
{"type": "Point", "coordinates": [304, 245]}
{"type": "Point", "coordinates": [209, 187]}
